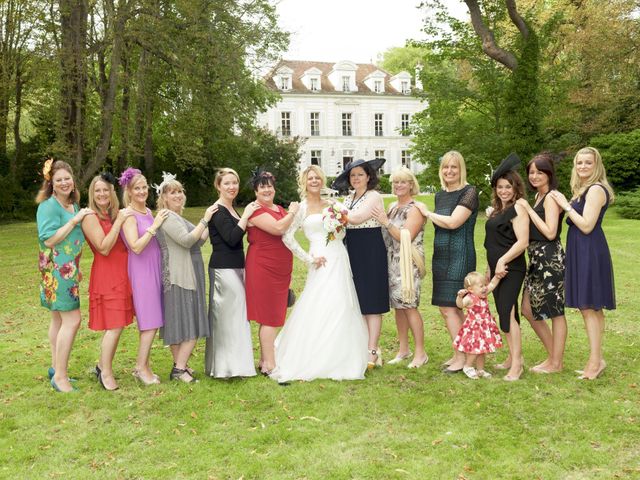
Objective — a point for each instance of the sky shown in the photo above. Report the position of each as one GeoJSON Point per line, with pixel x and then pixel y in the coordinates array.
{"type": "Point", "coordinates": [357, 30]}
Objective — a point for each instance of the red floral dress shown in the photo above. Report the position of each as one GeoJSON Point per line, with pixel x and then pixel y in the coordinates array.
{"type": "Point", "coordinates": [479, 332]}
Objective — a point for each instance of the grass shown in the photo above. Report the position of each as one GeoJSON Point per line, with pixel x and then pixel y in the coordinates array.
{"type": "Point", "coordinates": [396, 424]}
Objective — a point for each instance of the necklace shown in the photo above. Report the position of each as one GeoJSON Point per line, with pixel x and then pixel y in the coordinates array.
{"type": "Point", "coordinates": [134, 208]}
{"type": "Point", "coordinates": [356, 200]}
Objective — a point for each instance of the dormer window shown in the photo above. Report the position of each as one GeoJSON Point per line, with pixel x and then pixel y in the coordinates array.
{"type": "Point", "coordinates": [314, 84]}
{"type": "Point", "coordinates": [404, 87]}
{"type": "Point", "coordinates": [377, 86]}
{"type": "Point", "coordinates": [285, 83]}
{"type": "Point", "coordinates": [345, 83]}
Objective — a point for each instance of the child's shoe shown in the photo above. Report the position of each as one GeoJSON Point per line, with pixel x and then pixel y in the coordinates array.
{"type": "Point", "coordinates": [470, 372]}
{"type": "Point", "coordinates": [483, 374]}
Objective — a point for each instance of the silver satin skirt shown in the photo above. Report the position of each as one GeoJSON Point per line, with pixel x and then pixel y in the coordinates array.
{"type": "Point", "coordinates": [229, 350]}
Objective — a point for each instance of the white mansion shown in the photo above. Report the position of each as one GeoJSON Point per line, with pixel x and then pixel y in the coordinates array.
{"type": "Point", "coordinates": [344, 111]}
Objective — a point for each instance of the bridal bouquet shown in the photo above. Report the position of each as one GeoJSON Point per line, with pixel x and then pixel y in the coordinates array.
{"type": "Point", "coordinates": [334, 221]}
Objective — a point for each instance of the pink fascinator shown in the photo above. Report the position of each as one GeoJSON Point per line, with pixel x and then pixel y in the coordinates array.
{"type": "Point", "coordinates": [127, 175]}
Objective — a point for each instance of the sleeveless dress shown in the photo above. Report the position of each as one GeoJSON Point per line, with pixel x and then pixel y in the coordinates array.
{"type": "Point", "coordinates": [479, 332]}
{"type": "Point", "coordinates": [499, 238]}
{"type": "Point", "coordinates": [268, 273]}
{"type": "Point", "coordinates": [588, 276]}
{"type": "Point", "coordinates": [110, 300]}
{"type": "Point", "coordinates": [145, 275]}
{"type": "Point", "coordinates": [545, 274]}
{"type": "Point", "coordinates": [398, 217]}
{"type": "Point", "coordinates": [368, 258]}
{"type": "Point", "coordinates": [59, 265]}
{"type": "Point", "coordinates": [454, 251]}
{"type": "Point", "coordinates": [325, 335]}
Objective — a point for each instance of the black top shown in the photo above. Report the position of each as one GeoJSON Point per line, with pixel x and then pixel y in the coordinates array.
{"type": "Point", "coordinates": [500, 237]}
{"type": "Point", "coordinates": [535, 234]}
{"type": "Point", "coordinates": [226, 240]}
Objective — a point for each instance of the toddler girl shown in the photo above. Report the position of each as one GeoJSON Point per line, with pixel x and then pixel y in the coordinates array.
{"type": "Point", "coordinates": [479, 333]}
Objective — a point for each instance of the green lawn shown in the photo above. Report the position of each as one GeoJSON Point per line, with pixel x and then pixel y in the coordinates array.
{"type": "Point", "coordinates": [396, 424]}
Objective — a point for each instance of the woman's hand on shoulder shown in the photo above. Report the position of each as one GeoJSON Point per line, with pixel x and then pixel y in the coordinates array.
{"type": "Point", "coordinates": [488, 211]}
{"type": "Point", "coordinates": [208, 213]}
{"type": "Point", "coordinates": [523, 203]}
{"type": "Point", "coordinates": [294, 207]}
{"type": "Point", "coordinates": [123, 214]}
{"type": "Point", "coordinates": [422, 208]}
{"type": "Point", "coordinates": [83, 212]}
{"type": "Point", "coordinates": [560, 199]}
{"type": "Point", "coordinates": [250, 209]}
{"type": "Point", "coordinates": [161, 216]}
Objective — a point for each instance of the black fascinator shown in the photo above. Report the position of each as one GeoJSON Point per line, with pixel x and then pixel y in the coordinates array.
{"type": "Point", "coordinates": [108, 177]}
{"type": "Point", "coordinates": [511, 162]}
{"type": "Point", "coordinates": [260, 176]}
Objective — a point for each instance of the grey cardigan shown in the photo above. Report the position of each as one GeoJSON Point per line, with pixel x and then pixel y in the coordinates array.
{"type": "Point", "coordinates": [175, 244]}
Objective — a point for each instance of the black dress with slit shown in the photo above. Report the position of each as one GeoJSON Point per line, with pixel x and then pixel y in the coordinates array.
{"type": "Point", "coordinates": [499, 238]}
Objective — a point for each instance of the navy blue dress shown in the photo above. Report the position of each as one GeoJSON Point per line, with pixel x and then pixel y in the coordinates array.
{"type": "Point", "coordinates": [588, 276]}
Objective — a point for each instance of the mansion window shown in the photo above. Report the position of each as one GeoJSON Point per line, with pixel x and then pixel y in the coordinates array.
{"type": "Point", "coordinates": [379, 154]}
{"type": "Point", "coordinates": [285, 123]}
{"type": "Point", "coordinates": [404, 86]}
{"type": "Point", "coordinates": [314, 119]}
{"type": "Point", "coordinates": [316, 157]}
{"type": "Point", "coordinates": [405, 158]}
{"type": "Point", "coordinates": [345, 83]}
{"type": "Point", "coordinates": [377, 86]}
{"type": "Point", "coordinates": [404, 124]}
{"type": "Point", "coordinates": [313, 83]}
{"type": "Point", "coordinates": [346, 125]}
{"type": "Point", "coordinates": [377, 124]}
{"type": "Point", "coordinates": [285, 83]}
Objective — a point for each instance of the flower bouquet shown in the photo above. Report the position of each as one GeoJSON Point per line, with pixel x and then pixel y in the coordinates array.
{"type": "Point", "coordinates": [334, 221]}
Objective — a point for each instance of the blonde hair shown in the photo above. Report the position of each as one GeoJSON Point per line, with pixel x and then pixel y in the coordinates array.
{"type": "Point", "coordinates": [114, 204]}
{"type": "Point", "coordinates": [168, 187]}
{"type": "Point", "coordinates": [474, 278]}
{"type": "Point", "coordinates": [599, 175]}
{"type": "Point", "coordinates": [126, 194]}
{"type": "Point", "coordinates": [220, 174]}
{"type": "Point", "coordinates": [406, 175]}
{"type": "Point", "coordinates": [46, 189]}
{"type": "Point", "coordinates": [302, 179]}
{"type": "Point", "coordinates": [453, 156]}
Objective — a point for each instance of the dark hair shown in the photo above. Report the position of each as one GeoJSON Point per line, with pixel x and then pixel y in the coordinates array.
{"type": "Point", "coordinates": [516, 182]}
{"type": "Point", "coordinates": [373, 176]}
{"type": "Point", "coordinates": [262, 177]}
{"type": "Point", "coordinates": [544, 161]}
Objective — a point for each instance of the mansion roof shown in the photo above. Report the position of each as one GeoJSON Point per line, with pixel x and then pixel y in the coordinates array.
{"type": "Point", "coordinates": [326, 72]}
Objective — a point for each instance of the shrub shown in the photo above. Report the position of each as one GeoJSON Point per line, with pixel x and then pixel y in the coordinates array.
{"type": "Point", "coordinates": [621, 157]}
{"type": "Point", "coordinates": [628, 204]}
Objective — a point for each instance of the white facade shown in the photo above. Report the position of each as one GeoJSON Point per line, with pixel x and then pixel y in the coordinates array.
{"type": "Point", "coordinates": [344, 111]}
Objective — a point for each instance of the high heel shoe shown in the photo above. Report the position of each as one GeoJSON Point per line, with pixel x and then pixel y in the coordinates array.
{"type": "Point", "coordinates": [57, 389]}
{"type": "Point", "coordinates": [179, 374]}
{"type": "Point", "coordinates": [509, 378]}
{"type": "Point", "coordinates": [137, 376]}
{"type": "Point", "coordinates": [415, 364]}
{"type": "Point", "coordinates": [398, 358]}
{"type": "Point", "coordinates": [372, 364]}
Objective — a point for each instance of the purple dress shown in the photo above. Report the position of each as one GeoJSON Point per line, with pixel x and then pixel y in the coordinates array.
{"type": "Point", "coordinates": [588, 276]}
{"type": "Point", "coordinates": [145, 275]}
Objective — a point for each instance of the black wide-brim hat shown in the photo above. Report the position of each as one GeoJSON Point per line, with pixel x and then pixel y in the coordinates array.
{"type": "Point", "coordinates": [341, 182]}
{"type": "Point", "coordinates": [511, 162]}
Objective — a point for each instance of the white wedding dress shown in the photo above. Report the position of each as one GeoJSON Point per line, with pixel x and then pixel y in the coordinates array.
{"type": "Point", "coordinates": [325, 335]}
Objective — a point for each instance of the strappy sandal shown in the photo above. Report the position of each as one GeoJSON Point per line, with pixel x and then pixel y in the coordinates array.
{"type": "Point", "coordinates": [178, 374]}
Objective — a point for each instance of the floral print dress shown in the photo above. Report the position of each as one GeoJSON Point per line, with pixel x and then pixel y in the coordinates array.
{"type": "Point", "coordinates": [59, 266]}
{"type": "Point", "coordinates": [479, 332]}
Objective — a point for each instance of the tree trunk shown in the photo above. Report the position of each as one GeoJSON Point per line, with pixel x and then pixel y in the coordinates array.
{"type": "Point", "coordinates": [73, 37]}
{"type": "Point", "coordinates": [109, 100]}
{"type": "Point", "coordinates": [123, 155]}
{"type": "Point", "coordinates": [17, 157]}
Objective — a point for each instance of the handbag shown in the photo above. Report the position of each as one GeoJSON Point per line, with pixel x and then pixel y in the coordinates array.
{"type": "Point", "coordinates": [291, 298]}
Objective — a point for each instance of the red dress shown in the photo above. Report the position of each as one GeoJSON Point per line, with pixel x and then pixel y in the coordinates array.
{"type": "Point", "coordinates": [267, 273]}
{"type": "Point", "coordinates": [479, 332]}
{"type": "Point", "coordinates": [110, 301]}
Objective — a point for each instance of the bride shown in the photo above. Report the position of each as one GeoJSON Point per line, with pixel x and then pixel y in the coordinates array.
{"type": "Point", "coordinates": [325, 335]}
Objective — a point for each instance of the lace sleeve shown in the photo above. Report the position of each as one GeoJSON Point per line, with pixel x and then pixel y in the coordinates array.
{"type": "Point", "coordinates": [469, 199]}
{"type": "Point", "coordinates": [289, 238]}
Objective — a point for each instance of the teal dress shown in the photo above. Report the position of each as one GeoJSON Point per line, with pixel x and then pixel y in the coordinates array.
{"type": "Point", "coordinates": [59, 266]}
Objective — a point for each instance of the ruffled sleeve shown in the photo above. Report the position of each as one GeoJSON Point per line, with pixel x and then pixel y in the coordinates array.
{"type": "Point", "coordinates": [289, 238]}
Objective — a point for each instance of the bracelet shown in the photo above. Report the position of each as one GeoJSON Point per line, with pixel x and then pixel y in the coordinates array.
{"type": "Point", "coordinates": [568, 209]}
{"type": "Point", "coordinates": [151, 232]}
{"type": "Point", "coordinates": [204, 222]}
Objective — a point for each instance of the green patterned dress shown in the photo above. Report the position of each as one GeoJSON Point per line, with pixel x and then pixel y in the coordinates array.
{"type": "Point", "coordinates": [59, 266]}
